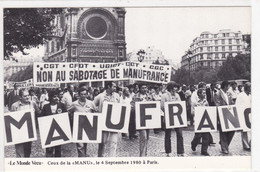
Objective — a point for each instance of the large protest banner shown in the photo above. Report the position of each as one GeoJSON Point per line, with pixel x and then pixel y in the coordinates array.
{"type": "Point", "coordinates": [205, 119]}
{"type": "Point", "coordinates": [54, 130]}
{"type": "Point", "coordinates": [21, 84]}
{"type": "Point", "coordinates": [19, 127]}
{"type": "Point", "coordinates": [245, 117]}
{"type": "Point", "coordinates": [87, 127]}
{"type": "Point", "coordinates": [148, 115]}
{"type": "Point", "coordinates": [229, 119]}
{"type": "Point", "coordinates": [175, 114]}
{"type": "Point", "coordinates": [44, 73]}
{"type": "Point", "coordinates": [116, 117]}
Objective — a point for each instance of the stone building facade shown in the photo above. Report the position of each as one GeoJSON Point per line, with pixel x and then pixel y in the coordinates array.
{"type": "Point", "coordinates": [210, 50]}
{"type": "Point", "coordinates": [88, 35]}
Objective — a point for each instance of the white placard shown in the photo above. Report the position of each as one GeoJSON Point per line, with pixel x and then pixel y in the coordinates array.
{"type": "Point", "coordinates": [19, 127]}
{"type": "Point", "coordinates": [54, 130]}
{"type": "Point", "coordinates": [175, 114]}
{"type": "Point", "coordinates": [245, 117]}
{"type": "Point", "coordinates": [148, 115]}
{"type": "Point", "coordinates": [87, 127]}
{"type": "Point", "coordinates": [205, 119]}
{"type": "Point", "coordinates": [116, 117]}
{"type": "Point", "coordinates": [229, 119]}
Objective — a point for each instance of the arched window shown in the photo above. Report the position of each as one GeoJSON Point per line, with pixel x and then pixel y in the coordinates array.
{"type": "Point", "coordinates": [47, 47]}
{"type": "Point", "coordinates": [58, 45]}
{"type": "Point", "coordinates": [61, 45]}
{"type": "Point", "coordinates": [52, 46]}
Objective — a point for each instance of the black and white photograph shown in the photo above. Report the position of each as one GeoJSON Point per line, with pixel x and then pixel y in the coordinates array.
{"type": "Point", "coordinates": [126, 85]}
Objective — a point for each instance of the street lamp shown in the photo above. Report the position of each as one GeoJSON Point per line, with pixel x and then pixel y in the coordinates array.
{"type": "Point", "coordinates": [189, 53]}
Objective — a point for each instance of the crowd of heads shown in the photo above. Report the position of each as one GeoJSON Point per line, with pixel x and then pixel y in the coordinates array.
{"type": "Point", "coordinates": [82, 90]}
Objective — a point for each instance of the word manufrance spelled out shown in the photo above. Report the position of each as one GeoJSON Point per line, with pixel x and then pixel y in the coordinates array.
{"type": "Point", "coordinates": [55, 129]}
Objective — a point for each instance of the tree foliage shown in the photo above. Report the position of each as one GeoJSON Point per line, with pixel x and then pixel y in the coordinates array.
{"type": "Point", "coordinates": [181, 76]}
{"type": "Point", "coordinates": [25, 28]}
{"type": "Point", "coordinates": [238, 67]}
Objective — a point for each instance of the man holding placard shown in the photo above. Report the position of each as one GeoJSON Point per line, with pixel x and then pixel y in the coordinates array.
{"type": "Point", "coordinates": [86, 106]}
{"type": "Point", "coordinates": [24, 149]}
{"type": "Point", "coordinates": [142, 96]}
{"type": "Point", "coordinates": [221, 98]}
{"type": "Point", "coordinates": [244, 101]}
{"type": "Point", "coordinates": [54, 107]}
{"type": "Point", "coordinates": [171, 95]}
{"type": "Point", "coordinates": [205, 135]}
{"type": "Point", "coordinates": [109, 139]}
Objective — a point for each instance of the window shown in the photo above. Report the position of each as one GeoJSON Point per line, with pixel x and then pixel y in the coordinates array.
{"type": "Point", "coordinates": [58, 46]}
{"type": "Point", "coordinates": [47, 47]}
{"type": "Point", "coordinates": [230, 54]}
{"type": "Point", "coordinates": [216, 48]}
{"type": "Point", "coordinates": [236, 34]}
{"type": "Point", "coordinates": [223, 41]}
{"type": "Point", "coordinates": [206, 42]}
{"type": "Point", "coordinates": [216, 56]}
{"type": "Point", "coordinates": [209, 56]}
{"type": "Point", "coordinates": [227, 34]}
{"type": "Point", "coordinates": [201, 49]}
{"type": "Point", "coordinates": [209, 48]}
{"type": "Point", "coordinates": [216, 42]}
{"type": "Point", "coordinates": [52, 46]}
{"type": "Point", "coordinates": [74, 51]}
{"type": "Point", "coordinates": [223, 48]}
{"type": "Point", "coordinates": [230, 41]}
{"type": "Point", "coordinates": [237, 41]}
{"type": "Point", "coordinates": [223, 56]}
{"type": "Point", "coordinates": [120, 53]}
{"type": "Point", "coordinates": [224, 35]}
{"type": "Point", "coordinates": [207, 35]}
{"type": "Point", "coordinates": [201, 57]}
{"type": "Point", "coordinates": [238, 47]}
{"type": "Point", "coordinates": [215, 35]}
{"type": "Point", "coordinates": [230, 48]}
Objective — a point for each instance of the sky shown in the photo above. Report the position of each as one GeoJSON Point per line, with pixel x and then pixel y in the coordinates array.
{"type": "Point", "coordinates": [172, 29]}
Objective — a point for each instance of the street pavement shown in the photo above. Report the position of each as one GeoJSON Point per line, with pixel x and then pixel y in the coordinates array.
{"type": "Point", "coordinates": [130, 148]}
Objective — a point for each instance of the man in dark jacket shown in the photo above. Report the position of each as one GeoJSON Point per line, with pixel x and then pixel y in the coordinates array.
{"type": "Point", "coordinates": [52, 108]}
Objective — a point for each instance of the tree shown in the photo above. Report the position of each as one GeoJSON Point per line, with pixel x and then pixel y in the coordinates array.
{"type": "Point", "coordinates": [204, 74]}
{"type": "Point", "coordinates": [238, 67]}
{"type": "Point", "coordinates": [25, 28]}
{"type": "Point", "coordinates": [181, 76]}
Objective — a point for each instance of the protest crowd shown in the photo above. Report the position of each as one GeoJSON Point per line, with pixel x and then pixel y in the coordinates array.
{"type": "Point", "coordinates": [82, 98]}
